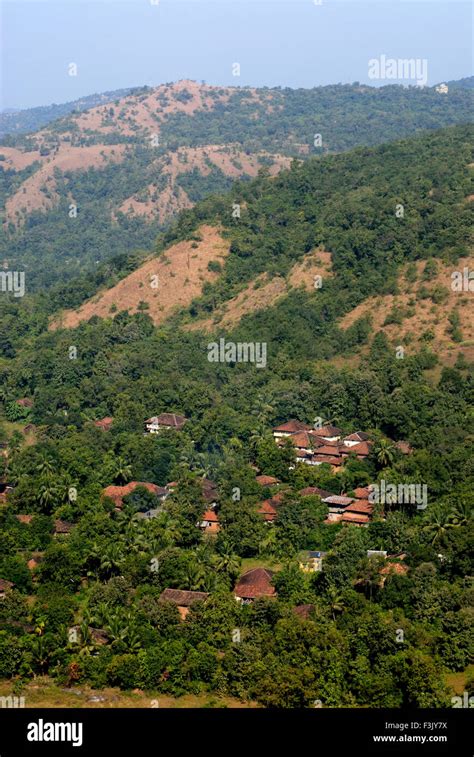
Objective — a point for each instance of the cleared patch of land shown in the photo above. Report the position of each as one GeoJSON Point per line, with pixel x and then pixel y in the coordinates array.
{"type": "Point", "coordinates": [264, 291]}
{"type": "Point", "coordinates": [38, 192]}
{"type": "Point", "coordinates": [160, 285]}
{"type": "Point", "coordinates": [420, 313]}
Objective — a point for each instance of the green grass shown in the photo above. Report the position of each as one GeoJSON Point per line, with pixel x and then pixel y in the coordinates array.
{"type": "Point", "coordinates": [42, 692]}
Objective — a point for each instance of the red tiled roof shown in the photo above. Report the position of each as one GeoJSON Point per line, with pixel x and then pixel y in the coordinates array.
{"type": "Point", "coordinates": [25, 402]}
{"type": "Point", "coordinates": [117, 493]}
{"type": "Point", "coordinates": [331, 460]}
{"type": "Point", "coordinates": [404, 447]}
{"type": "Point", "coordinates": [24, 518]}
{"type": "Point", "coordinates": [4, 584]}
{"type": "Point", "coordinates": [255, 583]}
{"type": "Point", "coordinates": [291, 427]}
{"type": "Point", "coordinates": [354, 518]}
{"type": "Point", "coordinates": [327, 449]}
{"type": "Point", "coordinates": [362, 492]}
{"type": "Point", "coordinates": [363, 449]}
{"type": "Point", "coordinates": [360, 506]}
{"type": "Point", "coordinates": [62, 527]}
{"type": "Point", "coordinates": [183, 598]}
{"type": "Point", "coordinates": [211, 516]}
{"type": "Point", "coordinates": [267, 480]}
{"type": "Point", "coordinates": [104, 423]}
{"type": "Point", "coordinates": [394, 567]}
{"type": "Point", "coordinates": [328, 431]}
{"type": "Point", "coordinates": [357, 436]}
{"type": "Point", "coordinates": [303, 439]}
{"type": "Point", "coordinates": [267, 510]}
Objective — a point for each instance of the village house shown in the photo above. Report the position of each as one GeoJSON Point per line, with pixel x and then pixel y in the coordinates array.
{"type": "Point", "coordinates": [392, 569]}
{"type": "Point", "coordinates": [25, 402]}
{"type": "Point", "coordinates": [362, 492]}
{"type": "Point", "coordinates": [24, 518]}
{"type": "Point", "coordinates": [105, 424]}
{"type": "Point", "coordinates": [267, 510]}
{"type": "Point", "coordinates": [311, 561]}
{"type": "Point", "coordinates": [288, 428]}
{"type": "Point", "coordinates": [361, 508]}
{"type": "Point", "coordinates": [404, 447]}
{"type": "Point", "coordinates": [62, 527]}
{"type": "Point", "coordinates": [5, 586]}
{"type": "Point", "coordinates": [356, 438]}
{"type": "Point", "coordinates": [328, 433]}
{"type": "Point", "coordinates": [164, 422]}
{"type": "Point", "coordinates": [210, 522]}
{"type": "Point", "coordinates": [117, 493]}
{"type": "Point", "coordinates": [361, 450]}
{"type": "Point", "coordinates": [254, 584]}
{"type": "Point", "coordinates": [35, 561]}
{"type": "Point", "coordinates": [325, 445]}
{"type": "Point", "coordinates": [267, 480]}
{"type": "Point", "coordinates": [183, 599]}
{"type": "Point", "coordinates": [357, 519]}
{"type": "Point", "coordinates": [97, 635]}
{"type": "Point", "coordinates": [337, 504]}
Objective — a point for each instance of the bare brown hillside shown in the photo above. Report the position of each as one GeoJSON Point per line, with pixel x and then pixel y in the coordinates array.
{"type": "Point", "coordinates": [164, 284]}
{"type": "Point", "coordinates": [232, 161]}
{"type": "Point", "coordinates": [264, 291]}
{"type": "Point", "coordinates": [96, 137]}
{"type": "Point", "coordinates": [38, 191]}
{"type": "Point", "coordinates": [423, 320]}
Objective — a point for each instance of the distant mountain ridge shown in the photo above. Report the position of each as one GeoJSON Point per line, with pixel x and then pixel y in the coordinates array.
{"type": "Point", "coordinates": [102, 182]}
{"type": "Point", "coordinates": [22, 121]}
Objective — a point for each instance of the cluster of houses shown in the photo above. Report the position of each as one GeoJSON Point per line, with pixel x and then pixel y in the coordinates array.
{"type": "Point", "coordinates": [252, 585]}
{"type": "Point", "coordinates": [210, 520]}
{"type": "Point", "coordinates": [327, 444]}
{"type": "Point", "coordinates": [356, 509]}
{"type": "Point", "coordinates": [258, 583]}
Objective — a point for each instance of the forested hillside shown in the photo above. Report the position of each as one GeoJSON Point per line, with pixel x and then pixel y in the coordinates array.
{"type": "Point", "coordinates": [101, 183]}
{"type": "Point", "coordinates": [122, 551]}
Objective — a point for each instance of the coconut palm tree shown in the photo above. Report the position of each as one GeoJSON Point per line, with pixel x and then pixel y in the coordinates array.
{"type": "Point", "coordinates": [123, 470]}
{"type": "Point", "coordinates": [385, 452]}
{"type": "Point", "coordinates": [438, 523]}
{"type": "Point", "coordinates": [46, 467]}
{"type": "Point", "coordinates": [336, 601]}
{"type": "Point", "coordinates": [229, 563]}
{"type": "Point", "coordinates": [269, 545]}
{"type": "Point", "coordinates": [461, 514]}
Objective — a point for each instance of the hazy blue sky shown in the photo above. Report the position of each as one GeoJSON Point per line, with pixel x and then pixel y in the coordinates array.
{"type": "Point", "coordinates": [296, 43]}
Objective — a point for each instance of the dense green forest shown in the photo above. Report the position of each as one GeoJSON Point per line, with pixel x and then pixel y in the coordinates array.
{"type": "Point", "coordinates": [363, 641]}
